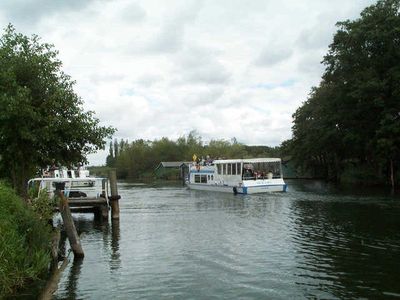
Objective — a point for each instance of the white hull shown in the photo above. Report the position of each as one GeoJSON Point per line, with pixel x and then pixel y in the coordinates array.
{"type": "Point", "coordinates": [254, 188]}
{"type": "Point", "coordinates": [209, 187]}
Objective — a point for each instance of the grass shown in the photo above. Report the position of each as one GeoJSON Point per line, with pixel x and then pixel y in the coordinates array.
{"type": "Point", "coordinates": [24, 243]}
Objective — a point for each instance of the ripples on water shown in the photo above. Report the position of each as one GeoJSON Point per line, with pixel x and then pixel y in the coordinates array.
{"type": "Point", "coordinates": [173, 243]}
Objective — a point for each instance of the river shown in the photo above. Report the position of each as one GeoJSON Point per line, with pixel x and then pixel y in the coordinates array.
{"type": "Point", "coordinates": [313, 242]}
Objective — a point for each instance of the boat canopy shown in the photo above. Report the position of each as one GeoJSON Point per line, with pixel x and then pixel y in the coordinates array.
{"type": "Point", "coordinates": [65, 179]}
{"type": "Point", "coordinates": [248, 160]}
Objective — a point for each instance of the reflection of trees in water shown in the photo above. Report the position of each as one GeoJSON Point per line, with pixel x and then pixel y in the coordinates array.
{"type": "Point", "coordinates": [110, 236]}
{"type": "Point", "coordinates": [347, 249]}
{"type": "Point", "coordinates": [73, 279]}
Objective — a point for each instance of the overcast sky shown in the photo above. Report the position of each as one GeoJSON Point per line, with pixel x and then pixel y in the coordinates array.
{"type": "Point", "coordinates": [157, 69]}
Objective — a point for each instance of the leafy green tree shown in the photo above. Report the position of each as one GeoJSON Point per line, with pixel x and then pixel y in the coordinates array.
{"type": "Point", "coordinates": [110, 160]}
{"type": "Point", "coordinates": [354, 114]}
{"type": "Point", "coordinates": [41, 117]}
{"type": "Point", "coordinates": [166, 150]}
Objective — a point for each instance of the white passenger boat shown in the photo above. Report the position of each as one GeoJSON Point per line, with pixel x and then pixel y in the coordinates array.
{"type": "Point", "coordinates": [78, 183]}
{"type": "Point", "coordinates": [238, 176]}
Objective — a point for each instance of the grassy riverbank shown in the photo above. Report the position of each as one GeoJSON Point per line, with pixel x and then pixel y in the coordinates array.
{"type": "Point", "coordinates": [24, 243]}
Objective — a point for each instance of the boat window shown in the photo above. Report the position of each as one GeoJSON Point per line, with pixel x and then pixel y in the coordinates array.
{"type": "Point", "coordinates": [224, 169]}
{"type": "Point", "coordinates": [238, 168]}
{"type": "Point", "coordinates": [197, 178]}
{"type": "Point", "coordinates": [262, 170]}
{"type": "Point", "coordinates": [229, 169]}
{"type": "Point", "coordinates": [233, 169]}
{"type": "Point", "coordinates": [212, 177]}
{"type": "Point", "coordinates": [200, 178]}
{"type": "Point", "coordinates": [219, 169]}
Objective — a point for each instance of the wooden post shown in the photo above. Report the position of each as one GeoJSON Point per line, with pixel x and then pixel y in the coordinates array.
{"type": "Point", "coordinates": [55, 241]}
{"type": "Point", "coordinates": [103, 188]}
{"type": "Point", "coordinates": [182, 173]}
{"type": "Point", "coordinates": [392, 176]}
{"type": "Point", "coordinates": [104, 208]}
{"type": "Point", "coordinates": [52, 283]}
{"type": "Point", "coordinates": [114, 198]}
{"type": "Point", "coordinates": [104, 212]}
{"type": "Point", "coordinates": [69, 225]}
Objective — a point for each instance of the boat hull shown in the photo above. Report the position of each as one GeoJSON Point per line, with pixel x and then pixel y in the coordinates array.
{"type": "Point", "coordinates": [210, 187]}
{"type": "Point", "coordinates": [254, 188]}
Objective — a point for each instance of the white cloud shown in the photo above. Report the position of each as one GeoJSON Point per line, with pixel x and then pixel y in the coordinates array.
{"type": "Point", "coordinates": [225, 68]}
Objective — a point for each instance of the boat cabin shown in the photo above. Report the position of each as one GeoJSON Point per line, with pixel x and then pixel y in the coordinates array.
{"type": "Point", "coordinates": [237, 174]}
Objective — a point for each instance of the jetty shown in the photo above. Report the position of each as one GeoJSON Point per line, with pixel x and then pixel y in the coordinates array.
{"type": "Point", "coordinates": [77, 192]}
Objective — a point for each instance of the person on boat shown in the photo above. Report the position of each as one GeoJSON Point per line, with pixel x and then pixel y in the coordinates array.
{"type": "Point", "coordinates": [248, 173]}
{"type": "Point", "coordinates": [270, 175]}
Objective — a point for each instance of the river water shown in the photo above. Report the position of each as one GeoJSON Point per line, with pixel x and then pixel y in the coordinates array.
{"type": "Point", "coordinates": [313, 242]}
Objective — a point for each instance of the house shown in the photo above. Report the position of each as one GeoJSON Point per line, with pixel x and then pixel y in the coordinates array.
{"type": "Point", "coordinates": [171, 169]}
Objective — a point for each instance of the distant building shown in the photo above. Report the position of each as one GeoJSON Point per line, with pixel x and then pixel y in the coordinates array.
{"type": "Point", "coordinates": [171, 169]}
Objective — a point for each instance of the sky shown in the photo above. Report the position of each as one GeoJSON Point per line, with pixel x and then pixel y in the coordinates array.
{"type": "Point", "coordinates": [224, 68]}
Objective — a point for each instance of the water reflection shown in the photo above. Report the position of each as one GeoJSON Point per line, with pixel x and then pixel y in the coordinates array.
{"type": "Point", "coordinates": [240, 205]}
{"type": "Point", "coordinates": [94, 234]}
{"type": "Point", "coordinates": [115, 259]}
{"type": "Point", "coordinates": [348, 250]}
{"type": "Point", "coordinates": [110, 236]}
{"type": "Point", "coordinates": [313, 242]}
{"type": "Point", "coordinates": [73, 279]}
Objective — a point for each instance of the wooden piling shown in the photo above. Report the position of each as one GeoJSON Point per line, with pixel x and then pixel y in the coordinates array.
{"type": "Point", "coordinates": [55, 241]}
{"type": "Point", "coordinates": [69, 225]}
{"type": "Point", "coordinates": [114, 198]}
{"type": "Point", "coordinates": [103, 188]}
{"type": "Point", "coordinates": [104, 212]}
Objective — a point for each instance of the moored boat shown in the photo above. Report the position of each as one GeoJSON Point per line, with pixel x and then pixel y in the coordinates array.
{"type": "Point", "coordinates": [78, 183]}
{"type": "Point", "coordinates": [238, 176]}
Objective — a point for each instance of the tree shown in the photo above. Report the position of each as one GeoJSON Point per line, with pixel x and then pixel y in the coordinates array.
{"type": "Point", "coordinates": [41, 117]}
{"type": "Point", "coordinates": [110, 160]}
{"type": "Point", "coordinates": [354, 114]}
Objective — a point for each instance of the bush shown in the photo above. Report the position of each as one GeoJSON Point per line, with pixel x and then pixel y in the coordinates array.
{"type": "Point", "coordinates": [24, 243]}
{"type": "Point", "coordinates": [42, 205]}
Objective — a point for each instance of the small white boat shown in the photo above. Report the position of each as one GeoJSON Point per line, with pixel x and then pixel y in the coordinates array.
{"type": "Point", "coordinates": [78, 183]}
{"type": "Point", "coordinates": [238, 176]}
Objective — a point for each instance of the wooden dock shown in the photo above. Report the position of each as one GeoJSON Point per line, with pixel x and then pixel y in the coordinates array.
{"type": "Point", "coordinates": [100, 206]}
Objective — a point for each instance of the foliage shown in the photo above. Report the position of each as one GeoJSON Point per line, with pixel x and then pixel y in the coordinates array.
{"type": "Point", "coordinates": [41, 204]}
{"type": "Point", "coordinates": [354, 114]}
{"type": "Point", "coordinates": [99, 171]}
{"type": "Point", "coordinates": [139, 158]}
{"type": "Point", "coordinates": [169, 174]}
{"type": "Point", "coordinates": [24, 243]}
{"type": "Point", "coordinates": [42, 121]}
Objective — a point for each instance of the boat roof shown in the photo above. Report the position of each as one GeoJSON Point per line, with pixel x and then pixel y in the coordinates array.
{"type": "Point", "coordinates": [247, 160]}
{"type": "Point", "coordinates": [65, 179]}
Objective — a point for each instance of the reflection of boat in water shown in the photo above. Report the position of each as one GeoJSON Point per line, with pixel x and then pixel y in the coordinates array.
{"type": "Point", "coordinates": [78, 183]}
{"type": "Point", "coordinates": [240, 176]}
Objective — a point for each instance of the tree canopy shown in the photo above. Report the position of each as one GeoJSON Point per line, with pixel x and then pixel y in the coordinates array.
{"type": "Point", "coordinates": [140, 157]}
{"type": "Point", "coordinates": [353, 116]}
{"type": "Point", "coordinates": [42, 120]}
